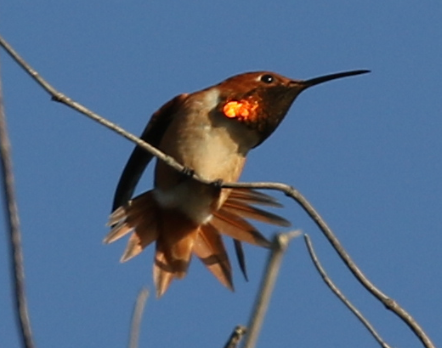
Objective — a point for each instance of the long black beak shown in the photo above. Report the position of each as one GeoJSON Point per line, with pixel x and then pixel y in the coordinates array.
{"type": "Point", "coordinates": [317, 80]}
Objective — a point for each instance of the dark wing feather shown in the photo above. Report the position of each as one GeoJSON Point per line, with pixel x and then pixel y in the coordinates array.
{"type": "Point", "coordinates": [139, 159]}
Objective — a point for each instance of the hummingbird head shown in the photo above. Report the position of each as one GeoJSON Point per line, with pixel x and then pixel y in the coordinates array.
{"type": "Point", "coordinates": [260, 100]}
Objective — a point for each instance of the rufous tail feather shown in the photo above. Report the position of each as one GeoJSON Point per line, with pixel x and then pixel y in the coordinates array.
{"type": "Point", "coordinates": [210, 249]}
{"type": "Point", "coordinates": [238, 203]}
{"type": "Point", "coordinates": [177, 237]}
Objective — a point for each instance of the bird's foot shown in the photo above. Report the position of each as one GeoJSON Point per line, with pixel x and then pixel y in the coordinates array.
{"type": "Point", "coordinates": [187, 172]}
{"type": "Point", "coordinates": [218, 183]}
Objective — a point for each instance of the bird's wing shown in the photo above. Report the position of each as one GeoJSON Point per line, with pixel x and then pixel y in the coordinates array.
{"type": "Point", "coordinates": [140, 158]}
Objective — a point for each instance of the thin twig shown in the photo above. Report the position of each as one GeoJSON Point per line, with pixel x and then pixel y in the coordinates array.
{"type": "Point", "coordinates": [14, 235]}
{"type": "Point", "coordinates": [389, 303]}
{"type": "Point", "coordinates": [136, 317]}
{"type": "Point", "coordinates": [60, 97]}
{"type": "Point", "coordinates": [279, 245]}
{"type": "Point", "coordinates": [235, 337]}
{"type": "Point", "coordinates": [288, 190]}
{"type": "Point", "coordinates": [340, 295]}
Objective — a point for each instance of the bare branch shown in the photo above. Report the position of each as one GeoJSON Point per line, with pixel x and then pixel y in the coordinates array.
{"type": "Point", "coordinates": [14, 235]}
{"type": "Point", "coordinates": [345, 257]}
{"type": "Point", "coordinates": [136, 317]}
{"type": "Point", "coordinates": [60, 97]}
{"type": "Point", "coordinates": [340, 295]}
{"type": "Point", "coordinates": [288, 190]}
{"type": "Point", "coordinates": [279, 245]}
{"type": "Point", "coordinates": [235, 337]}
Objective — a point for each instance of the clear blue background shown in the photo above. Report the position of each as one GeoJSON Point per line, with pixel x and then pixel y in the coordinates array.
{"type": "Point", "coordinates": [366, 151]}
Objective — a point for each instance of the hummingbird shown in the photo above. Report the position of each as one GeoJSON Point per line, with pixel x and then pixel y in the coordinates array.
{"type": "Point", "coordinates": [210, 133]}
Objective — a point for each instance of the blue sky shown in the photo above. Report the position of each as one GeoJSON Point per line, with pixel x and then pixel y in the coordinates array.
{"type": "Point", "coordinates": [366, 151]}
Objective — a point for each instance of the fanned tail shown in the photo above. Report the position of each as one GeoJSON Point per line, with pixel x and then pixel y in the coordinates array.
{"type": "Point", "coordinates": [177, 237]}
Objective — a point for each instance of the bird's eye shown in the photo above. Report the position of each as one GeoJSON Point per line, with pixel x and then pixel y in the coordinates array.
{"type": "Point", "coordinates": [267, 78]}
